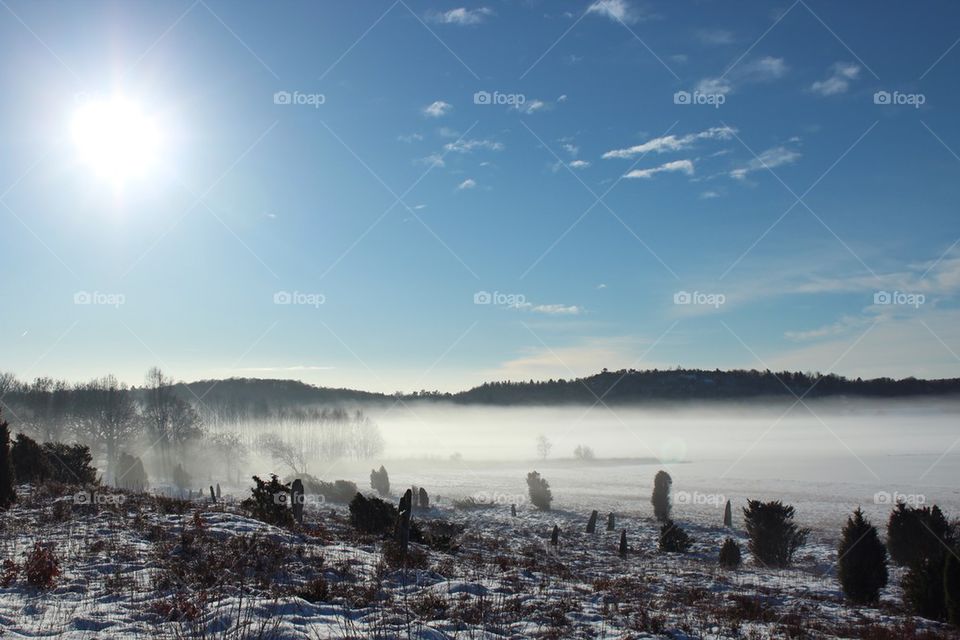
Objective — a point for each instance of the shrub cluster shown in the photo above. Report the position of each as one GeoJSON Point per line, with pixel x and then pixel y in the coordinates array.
{"type": "Point", "coordinates": [673, 538]}
{"type": "Point", "coordinates": [539, 489]}
{"type": "Point", "coordinates": [774, 537]}
{"type": "Point", "coordinates": [270, 502]}
{"type": "Point", "coordinates": [66, 463]}
{"type": "Point", "coordinates": [372, 515]}
{"type": "Point", "coordinates": [380, 481]}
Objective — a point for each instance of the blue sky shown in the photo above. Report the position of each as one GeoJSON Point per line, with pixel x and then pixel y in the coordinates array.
{"type": "Point", "coordinates": [337, 186]}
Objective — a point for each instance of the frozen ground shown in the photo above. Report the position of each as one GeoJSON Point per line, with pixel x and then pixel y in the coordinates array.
{"type": "Point", "coordinates": [148, 568]}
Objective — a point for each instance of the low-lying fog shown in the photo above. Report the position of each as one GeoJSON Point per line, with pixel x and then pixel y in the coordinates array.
{"type": "Point", "coordinates": [825, 457]}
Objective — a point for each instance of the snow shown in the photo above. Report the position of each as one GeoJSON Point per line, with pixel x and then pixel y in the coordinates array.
{"type": "Point", "coordinates": [505, 581]}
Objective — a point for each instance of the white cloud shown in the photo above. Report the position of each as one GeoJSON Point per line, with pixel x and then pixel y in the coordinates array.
{"type": "Point", "coordinates": [841, 74]}
{"type": "Point", "coordinates": [298, 367]}
{"type": "Point", "coordinates": [437, 109]}
{"type": "Point", "coordinates": [532, 106]}
{"type": "Point", "coordinates": [763, 69]}
{"type": "Point", "coordinates": [467, 146]}
{"type": "Point", "coordinates": [618, 10]}
{"type": "Point", "coordinates": [668, 143]}
{"type": "Point", "coordinates": [562, 98]}
{"type": "Point", "coordinates": [769, 159]}
{"type": "Point", "coordinates": [579, 164]}
{"type": "Point", "coordinates": [435, 160]}
{"type": "Point", "coordinates": [709, 195]}
{"type": "Point", "coordinates": [469, 183]}
{"type": "Point", "coordinates": [460, 16]}
{"type": "Point", "coordinates": [715, 36]}
{"type": "Point", "coordinates": [714, 86]}
{"type": "Point", "coordinates": [557, 309]}
{"type": "Point", "coordinates": [571, 148]}
{"type": "Point", "coordinates": [684, 166]}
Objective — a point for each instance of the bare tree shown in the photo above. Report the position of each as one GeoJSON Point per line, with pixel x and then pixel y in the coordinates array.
{"type": "Point", "coordinates": [544, 447]}
{"type": "Point", "coordinates": [284, 452]}
{"type": "Point", "coordinates": [185, 424]}
{"type": "Point", "coordinates": [107, 418]}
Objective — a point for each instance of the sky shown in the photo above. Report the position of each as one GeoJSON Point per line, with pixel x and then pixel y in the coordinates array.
{"type": "Point", "coordinates": [410, 195]}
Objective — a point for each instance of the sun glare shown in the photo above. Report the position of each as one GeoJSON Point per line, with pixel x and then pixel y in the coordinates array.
{"type": "Point", "coordinates": [116, 138]}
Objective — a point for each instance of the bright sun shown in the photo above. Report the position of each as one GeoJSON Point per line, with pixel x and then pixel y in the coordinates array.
{"type": "Point", "coordinates": [116, 138]}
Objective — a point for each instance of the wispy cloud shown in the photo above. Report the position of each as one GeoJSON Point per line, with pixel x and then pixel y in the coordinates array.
{"type": "Point", "coordinates": [841, 74]}
{"type": "Point", "coordinates": [460, 16]}
{"type": "Point", "coordinates": [578, 164]}
{"type": "Point", "coordinates": [684, 166]}
{"type": "Point", "coordinates": [298, 367]}
{"type": "Point", "coordinates": [470, 145]}
{"type": "Point", "coordinates": [763, 69]}
{"type": "Point", "coordinates": [769, 159]}
{"type": "Point", "coordinates": [469, 183]}
{"type": "Point", "coordinates": [619, 10]}
{"type": "Point", "coordinates": [557, 309]}
{"type": "Point", "coordinates": [413, 137]}
{"type": "Point", "coordinates": [715, 36]}
{"type": "Point", "coordinates": [669, 143]}
{"type": "Point", "coordinates": [532, 106]}
{"type": "Point", "coordinates": [437, 109]}
{"type": "Point", "coordinates": [434, 160]}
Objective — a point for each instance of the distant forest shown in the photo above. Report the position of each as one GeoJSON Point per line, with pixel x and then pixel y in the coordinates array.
{"type": "Point", "coordinates": [237, 399]}
{"type": "Point", "coordinates": [241, 398]}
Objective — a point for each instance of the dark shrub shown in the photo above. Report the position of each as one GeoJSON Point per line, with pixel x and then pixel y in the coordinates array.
{"type": "Point", "coordinates": [270, 502]}
{"type": "Point", "coordinates": [774, 537]}
{"type": "Point", "coordinates": [923, 587]}
{"type": "Point", "coordinates": [131, 475]}
{"type": "Point", "coordinates": [70, 463]}
{"type": "Point", "coordinates": [8, 494]}
{"type": "Point", "coordinates": [380, 481]}
{"type": "Point", "coordinates": [30, 463]}
{"type": "Point", "coordinates": [923, 537]}
{"type": "Point", "coordinates": [424, 499]}
{"type": "Point", "coordinates": [951, 587]}
{"type": "Point", "coordinates": [915, 533]}
{"type": "Point", "coordinates": [862, 561]}
{"type": "Point", "coordinates": [661, 496]}
{"type": "Point", "coordinates": [728, 515]}
{"type": "Point", "coordinates": [339, 491]}
{"type": "Point", "coordinates": [539, 489]}
{"type": "Point", "coordinates": [372, 515]}
{"type": "Point", "coordinates": [41, 567]}
{"type": "Point", "coordinates": [730, 556]}
{"type": "Point", "coordinates": [673, 538]}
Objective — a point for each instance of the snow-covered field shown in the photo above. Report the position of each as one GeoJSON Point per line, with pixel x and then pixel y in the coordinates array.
{"type": "Point", "coordinates": [141, 568]}
{"type": "Point", "coordinates": [144, 567]}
